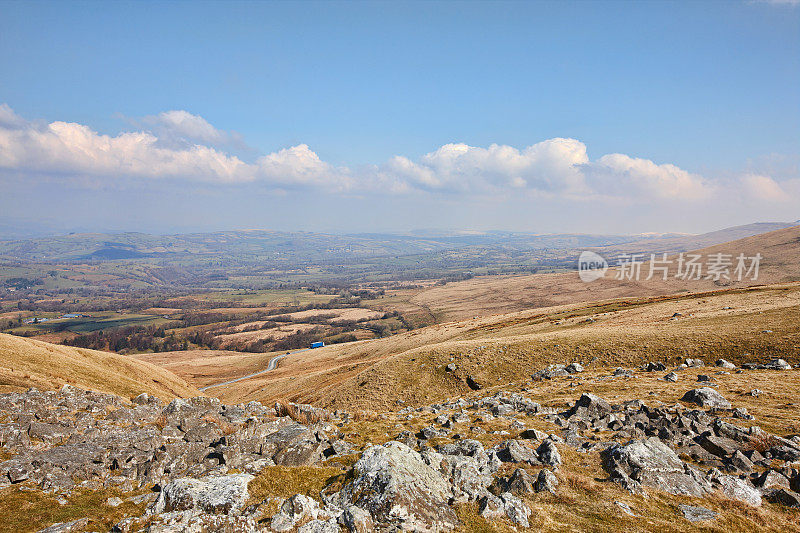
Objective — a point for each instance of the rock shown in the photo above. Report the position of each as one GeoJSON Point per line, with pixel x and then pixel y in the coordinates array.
{"type": "Point", "coordinates": [625, 508]}
{"type": "Point", "coordinates": [695, 363]}
{"type": "Point", "coordinates": [142, 399]}
{"type": "Point", "coordinates": [548, 453]}
{"type": "Point", "coordinates": [399, 489]}
{"type": "Point", "coordinates": [450, 368]}
{"type": "Point", "coordinates": [740, 461]}
{"type": "Point", "coordinates": [357, 520]}
{"type": "Point", "coordinates": [590, 406]}
{"type": "Point", "coordinates": [293, 510]}
{"type": "Point", "coordinates": [114, 501]}
{"type": "Point", "coordinates": [737, 489]}
{"type": "Point", "coordinates": [520, 482]}
{"type": "Point", "coordinates": [703, 377]}
{"type": "Point", "coordinates": [671, 377]}
{"type": "Point", "coordinates": [513, 451]}
{"type": "Point", "coordinates": [491, 507]}
{"type": "Point", "coordinates": [67, 527]}
{"type": "Point", "coordinates": [771, 480]}
{"type": "Point", "coordinates": [785, 497]}
{"type": "Point", "coordinates": [722, 363]}
{"type": "Point", "coordinates": [533, 434]}
{"type": "Point", "coordinates": [706, 397]}
{"type": "Point", "coordinates": [693, 513]}
{"type": "Point", "coordinates": [473, 384]}
{"type": "Point", "coordinates": [653, 464]}
{"type": "Point", "coordinates": [719, 446]}
{"type": "Point", "coordinates": [756, 393]}
{"type": "Point", "coordinates": [777, 364]}
{"type": "Point", "coordinates": [213, 495]}
{"type": "Point", "coordinates": [546, 481]}
{"type": "Point", "coordinates": [574, 368]}
{"type": "Point", "coordinates": [741, 412]}
{"type": "Point", "coordinates": [654, 367]}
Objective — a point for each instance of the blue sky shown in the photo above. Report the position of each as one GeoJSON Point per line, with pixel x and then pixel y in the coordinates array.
{"type": "Point", "coordinates": [375, 90]}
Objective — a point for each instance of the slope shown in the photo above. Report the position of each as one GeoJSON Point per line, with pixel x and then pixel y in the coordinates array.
{"type": "Point", "coordinates": [28, 363]}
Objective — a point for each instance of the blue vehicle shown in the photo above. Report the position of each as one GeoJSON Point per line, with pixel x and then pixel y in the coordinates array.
{"type": "Point", "coordinates": [319, 344]}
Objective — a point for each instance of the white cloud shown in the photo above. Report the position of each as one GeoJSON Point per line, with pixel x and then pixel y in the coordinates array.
{"type": "Point", "coordinates": [178, 127]}
{"type": "Point", "coordinates": [551, 165]}
{"type": "Point", "coordinates": [622, 175]}
{"type": "Point", "coordinates": [763, 188]}
{"type": "Point", "coordinates": [178, 145]}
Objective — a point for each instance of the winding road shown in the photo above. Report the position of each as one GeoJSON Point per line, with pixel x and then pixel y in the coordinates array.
{"type": "Point", "coordinates": [272, 365]}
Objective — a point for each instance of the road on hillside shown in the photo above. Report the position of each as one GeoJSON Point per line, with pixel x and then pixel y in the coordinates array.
{"type": "Point", "coordinates": [272, 365]}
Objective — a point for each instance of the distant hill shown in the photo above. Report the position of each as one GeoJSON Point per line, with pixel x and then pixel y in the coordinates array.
{"type": "Point", "coordinates": [26, 363]}
{"type": "Point", "coordinates": [684, 243]}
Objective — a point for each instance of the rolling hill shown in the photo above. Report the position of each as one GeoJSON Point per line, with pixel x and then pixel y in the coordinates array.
{"type": "Point", "coordinates": [26, 363]}
{"type": "Point", "coordinates": [607, 322]}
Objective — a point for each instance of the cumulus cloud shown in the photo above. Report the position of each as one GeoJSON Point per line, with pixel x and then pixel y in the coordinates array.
{"type": "Point", "coordinates": [178, 127]}
{"type": "Point", "coordinates": [763, 188]}
{"type": "Point", "coordinates": [552, 165]}
{"type": "Point", "coordinates": [619, 174]}
{"type": "Point", "coordinates": [177, 145]}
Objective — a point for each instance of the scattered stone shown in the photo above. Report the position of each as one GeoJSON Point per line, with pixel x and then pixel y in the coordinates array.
{"type": "Point", "coordinates": [114, 502]}
{"type": "Point", "coordinates": [694, 513]}
{"type": "Point", "coordinates": [671, 377]}
{"type": "Point", "coordinates": [695, 363]}
{"type": "Point", "coordinates": [574, 368]}
{"type": "Point", "coordinates": [703, 377]}
{"type": "Point", "coordinates": [625, 508]}
{"type": "Point", "coordinates": [473, 384]}
{"type": "Point", "coordinates": [520, 482]}
{"type": "Point", "coordinates": [654, 367]}
{"type": "Point", "coordinates": [706, 397]}
{"type": "Point", "coordinates": [548, 453]}
{"type": "Point", "coordinates": [778, 364]}
{"type": "Point", "coordinates": [722, 363]}
{"type": "Point", "coordinates": [450, 367]}
{"type": "Point", "coordinates": [546, 481]}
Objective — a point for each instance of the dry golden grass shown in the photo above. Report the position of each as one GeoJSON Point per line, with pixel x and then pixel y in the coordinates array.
{"type": "Point", "coordinates": [505, 294]}
{"type": "Point", "coordinates": [507, 348]}
{"type": "Point", "coordinates": [28, 510]}
{"type": "Point", "coordinates": [286, 481]}
{"type": "Point", "coordinates": [26, 363]}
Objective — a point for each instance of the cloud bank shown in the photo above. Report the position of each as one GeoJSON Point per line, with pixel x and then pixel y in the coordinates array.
{"type": "Point", "coordinates": [180, 146]}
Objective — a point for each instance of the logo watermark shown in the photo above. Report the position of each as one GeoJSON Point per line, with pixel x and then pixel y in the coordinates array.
{"type": "Point", "coordinates": [687, 266]}
{"type": "Point", "coordinates": [591, 266]}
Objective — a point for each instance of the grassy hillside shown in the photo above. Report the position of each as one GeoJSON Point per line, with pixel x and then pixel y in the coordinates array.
{"type": "Point", "coordinates": [28, 363]}
{"type": "Point", "coordinates": [503, 294]}
{"type": "Point", "coordinates": [736, 324]}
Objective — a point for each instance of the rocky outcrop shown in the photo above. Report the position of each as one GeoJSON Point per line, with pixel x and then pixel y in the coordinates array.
{"type": "Point", "coordinates": [651, 463]}
{"type": "Point", "coordinates": [62, 438]}
{"type": "Point", "coordinates": [395, 485]}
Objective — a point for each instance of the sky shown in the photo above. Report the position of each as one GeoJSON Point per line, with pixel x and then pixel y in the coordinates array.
{"type": "Point", "coordinates": [593, 117]}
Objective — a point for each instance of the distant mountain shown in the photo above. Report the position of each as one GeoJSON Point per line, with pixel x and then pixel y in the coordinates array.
{"type": "Point", "coordinates": [684, 243]}
{"type": "Point", "coordinates": [260, 245]}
